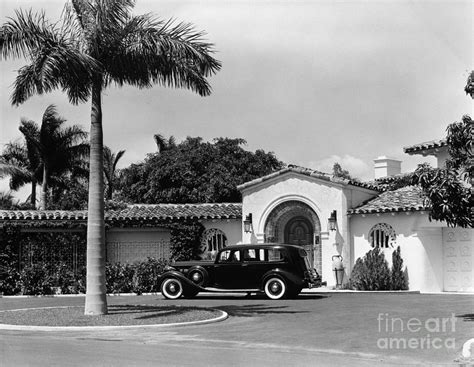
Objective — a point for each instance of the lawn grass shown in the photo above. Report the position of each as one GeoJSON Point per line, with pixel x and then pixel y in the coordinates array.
{"type": "Point", "coordinates": [119, 315]}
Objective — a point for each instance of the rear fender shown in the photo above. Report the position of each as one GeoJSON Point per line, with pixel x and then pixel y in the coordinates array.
{"type": "Point", "coordinates": [293, 280]}
{"type": "Point", "coordinates": [187, 283]}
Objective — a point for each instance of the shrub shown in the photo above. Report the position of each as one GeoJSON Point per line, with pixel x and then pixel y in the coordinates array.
{"type": "Point", "coordinates": [398, 276]}
{"type": "Point", "coordinates": [119, 278]}
{"type": "Point", "coordinates": [146, 273]}
{"type": "Point", "coordinates": [36, 279]}
{"type": "Point", "coordinates": [10, 283]}
{"type": "Point", "coordinates": [64, 278]}
{"type": "Point", "coordinates": [371, 273]}
{"type": "Point", "coordinates": [185, 243]}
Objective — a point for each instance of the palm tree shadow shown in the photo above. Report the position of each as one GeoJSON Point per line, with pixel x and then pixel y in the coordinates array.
{"type": "Point", "coordinates": [149, 312]}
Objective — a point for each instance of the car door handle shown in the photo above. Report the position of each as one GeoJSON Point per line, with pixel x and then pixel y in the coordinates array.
{"type": "Point", "coordinates": [245, 265]}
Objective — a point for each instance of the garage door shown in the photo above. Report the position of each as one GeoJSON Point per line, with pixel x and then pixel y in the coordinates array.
{"type": "Point", "coordinates": [458, 256]}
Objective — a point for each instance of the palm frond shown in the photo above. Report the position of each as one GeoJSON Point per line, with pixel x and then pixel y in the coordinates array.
{"type": "Point", "coordinates": [153, 51]}
{"type": "Point", "coordinates": [27, 32]}
{"type": "Point", "coordinates": [118, 156]}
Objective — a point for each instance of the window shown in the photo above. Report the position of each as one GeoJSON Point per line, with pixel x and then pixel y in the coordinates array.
{"type": "Point", "coordinates": [213, 240]}
{"type": "Point", "coordinates": [229, 256]}
{"type": "Point", "coordinates": [250, 255]}
{"type": "Point", "coordinates": [383, 236]}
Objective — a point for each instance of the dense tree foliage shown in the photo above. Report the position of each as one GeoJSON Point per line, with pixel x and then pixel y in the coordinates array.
{"type": "Point", "coordinates": [339, 172]}
{"type": "Point", "coordinates": [469, 88]}
{"type": "Point", "coordinates": [449, 188]}
{"type": "Point", "coordinates": [196, 171]}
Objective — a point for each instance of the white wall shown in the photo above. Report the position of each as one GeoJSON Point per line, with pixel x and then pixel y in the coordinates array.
{"type": "Point", "coordinates": [127, 245]}
{"type": "Point", "coordinates": [231, 227]}
{"type": "Point", "coordinates": [420, 241]}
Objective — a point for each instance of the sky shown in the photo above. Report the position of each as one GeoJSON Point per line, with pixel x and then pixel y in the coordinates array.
{"type": "Point", "coordinates": [315, 82]}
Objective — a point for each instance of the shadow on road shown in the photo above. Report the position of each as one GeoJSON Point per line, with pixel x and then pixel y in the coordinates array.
{"type": "Point", "coordinates": [253, 310]}
{"type": "Point", "coordinates": [258, 296]}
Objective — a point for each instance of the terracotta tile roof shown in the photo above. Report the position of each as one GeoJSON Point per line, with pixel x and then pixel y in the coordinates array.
{"type": "Point", "coordinates": [418, 148]}
{"type": "Point", "coordinates": [308, 172]}
{"type": "Point", "coordinates": [136, 212]}
{"type": "Point", "coordinates": [405, 199]}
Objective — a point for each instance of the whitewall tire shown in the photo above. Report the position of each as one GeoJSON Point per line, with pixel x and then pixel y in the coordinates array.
{"type": "Point", "coordinates": [275, 288]}
{"type": "Point", "coordinates": [172, 288]}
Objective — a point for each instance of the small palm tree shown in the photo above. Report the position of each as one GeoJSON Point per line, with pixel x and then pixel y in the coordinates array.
{"type": "Point", "coordinates": [59, 150]}
{"type": "Point", "coordinates": [6, 200]}
{"type": "Point", "coordinates": [96, 44]}
{"type": "Point", "coordinates": [20, 162]}
{"type": "Point", "coordinates": [110, 170]}
{"type": "Point", "coordinates": [163, 144]}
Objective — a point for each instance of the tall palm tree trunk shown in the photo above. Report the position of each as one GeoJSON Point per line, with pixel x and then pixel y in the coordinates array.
{"type": "Point", "coordinates": [96, 301]}
{"type": "Point", "coordinates": [44, 188]}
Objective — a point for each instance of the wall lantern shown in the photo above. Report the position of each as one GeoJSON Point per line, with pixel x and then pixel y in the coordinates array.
{"type": "Point", "coordinates": [332, 221]}
{"type": "Point", "coordinates": [248, 223]}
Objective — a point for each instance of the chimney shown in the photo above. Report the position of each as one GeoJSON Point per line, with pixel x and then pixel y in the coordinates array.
{"type": "Point", "coordinates": [385, 167]}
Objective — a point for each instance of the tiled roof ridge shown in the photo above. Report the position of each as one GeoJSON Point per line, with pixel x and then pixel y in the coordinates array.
{"type": "Point", "coordinates": [136, 212]}
{"type": "Point", "coordinates": [311, 173]}
{"type": "Point", "coordinates": [404, 199]}
{"type": "Point", "coordinates": [437, 143]}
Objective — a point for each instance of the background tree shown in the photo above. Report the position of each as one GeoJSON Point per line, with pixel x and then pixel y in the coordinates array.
{"type": "Point", "coordinates": [98, 43]}
{"type": "Point", "coordinates": [60, 150]}
{"type": "Point", "coordinates": [195, 172]}
{"type": "Point", "coordinates": [7, 201]}
{"type": "Point", "coordinates": [20, 162]}
{"type": "Point", "coordinates": [337, 171]}
{"type": "Point", "coordinates": [449, 189]}
{"type": "Point", "coordinates": [163, 144]}
{"type": "Point", "coordinates": [110, 170]}
{"type": "Point", "coordinates": [469, 88]}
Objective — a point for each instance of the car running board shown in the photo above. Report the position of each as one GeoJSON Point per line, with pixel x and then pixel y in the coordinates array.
{"type": "Point", "coordinates": [221, 290]}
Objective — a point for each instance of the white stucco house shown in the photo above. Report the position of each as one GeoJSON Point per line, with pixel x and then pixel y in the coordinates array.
{"type": "Point", "coordinates": [294, 206]}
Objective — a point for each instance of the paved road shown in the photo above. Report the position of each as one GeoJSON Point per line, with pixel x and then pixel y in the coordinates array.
{"type": "Point", "coordinates": [313, 330]}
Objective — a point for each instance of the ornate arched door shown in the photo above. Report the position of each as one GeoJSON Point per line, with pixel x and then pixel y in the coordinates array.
{"type": "Point", "coordinates": [299, 231]}
{"type": "Point", "coordinates": [294, 222]}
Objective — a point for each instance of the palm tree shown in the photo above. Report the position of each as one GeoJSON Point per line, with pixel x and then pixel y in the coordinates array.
{"type": "Point", "coordinates": [58, 149]}
{"type": "Point", "coordinates": [20, 162]}
{"type": "Point", "coordinates": [6, 200]}
{"type": "Point", "coordinates": [96, 44]}
{"type": "Point", "coordinates": [163, 144]}
{"type": "Point", "coordinates": [110, 166]}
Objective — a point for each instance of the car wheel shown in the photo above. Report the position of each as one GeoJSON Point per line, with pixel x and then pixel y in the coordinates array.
{"type": "Point", "coordinates": [198, 276]}
{"type": "Point", "coordinates": [275, 288]}
{"type": "Point", "coordinates": [171, 288]}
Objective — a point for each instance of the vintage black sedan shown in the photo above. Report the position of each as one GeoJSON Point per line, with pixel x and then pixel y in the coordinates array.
{"type": "Point", "coordinates": [278, 270]}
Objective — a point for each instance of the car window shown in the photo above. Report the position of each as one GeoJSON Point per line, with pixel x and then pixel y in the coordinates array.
{"type": "Point", "coordinates": [229, 256]}
{"type": "Point", "coordinates": [250, 255]}
{"type": "Point", "coordinates": [275, 255]}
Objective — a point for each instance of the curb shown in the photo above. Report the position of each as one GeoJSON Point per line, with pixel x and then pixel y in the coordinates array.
{"type": "Point", "coordinates": [224, 315]}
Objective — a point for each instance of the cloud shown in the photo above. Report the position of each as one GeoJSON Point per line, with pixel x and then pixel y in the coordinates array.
{"type": "Point", "coordinates": [356, 166]}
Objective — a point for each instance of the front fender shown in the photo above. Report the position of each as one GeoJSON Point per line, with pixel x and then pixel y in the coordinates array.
{"type": "Point", "coordinates": [187, 284]}
{"type": "Point", "coordinates": [294, 280]}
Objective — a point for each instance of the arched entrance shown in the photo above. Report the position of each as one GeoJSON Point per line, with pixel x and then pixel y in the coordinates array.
{"type": "Point", "coordinates": [294, 222]}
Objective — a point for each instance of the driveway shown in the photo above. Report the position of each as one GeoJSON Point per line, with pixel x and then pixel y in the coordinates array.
{"type": "Point", "coordinates": [315, 329]}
